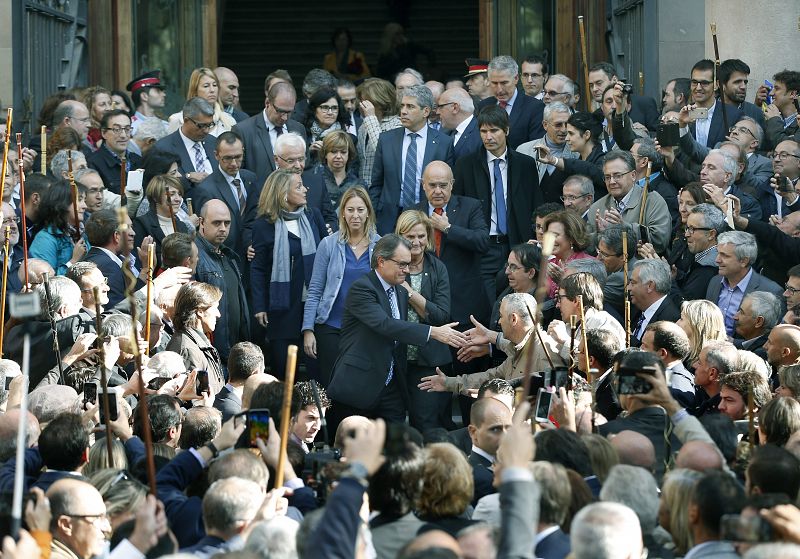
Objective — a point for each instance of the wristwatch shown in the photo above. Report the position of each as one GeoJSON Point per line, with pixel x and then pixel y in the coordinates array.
{"type": "Point", "coordinates": [213, 448]}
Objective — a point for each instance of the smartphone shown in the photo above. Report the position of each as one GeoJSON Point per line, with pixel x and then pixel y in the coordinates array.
{"type": "Point", "coordinates": [257, 425]}
{"type": "Point", "coordinates": [113, 410]}
{"type": "Point", "coordinates": [543, 402]}
{"type": "Point", "coordinates": [90, 393]}
{"type": "Point", "coordinates": [644, 234]}
{"type": "Point", "coordinates": [558, 378]}
{"type": "Point", "coordinates": [769, 98]}
{"type": "Point", "coordinates": [698, 113]}
{"type": "Point", "coordinates": [158, 382]}
{"type": "Point", "coordinates": [750, 528]}
{"type": "Point", "coordinates": [201, 383]}
{"type": "Point", "coordinates": [628, 382]}
{"type": "Point", "coordinates": [668, 134]}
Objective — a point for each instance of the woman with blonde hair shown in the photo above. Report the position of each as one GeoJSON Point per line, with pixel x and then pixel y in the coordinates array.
{"type": "Point", "coordinates": [163, 192]}
{"type": "Point", "coordinates": [204, 83]}
{"type": "Point", "coordinates": [673, 511]}
{"type": "Point", "coordinates": [195, 318]}
{"type": "Point", "coordinates": [285, 238]}
{"type": "Point", "coordinates": [447, 488]}
{"type": "Point", "coordinates": [702, 321]}
{"type": "Point", "coordinates": [98, 100]}
{"type": "Point", "coordinates": [789, 377]}
{"type": "Point", "coordinates": [341, 259]}
{"type": "Point", "coordinates": [98, 457]}
{"type": "Point", "coordinates": [428, 286]}
{"type": "Point", "coordinates": [122, 493]}
{"type": "Point", "coordinates": [378, 106]}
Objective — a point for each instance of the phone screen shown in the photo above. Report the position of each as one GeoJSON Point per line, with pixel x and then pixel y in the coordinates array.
{"type": "Point", "coordinates": [113, 411]}
{"type": "Point", "coordinates": [257, 426]}
{"type": "Point", "coordinates": [202, 383]}
{"type": "Point", "coordinates": [543, 402]}
{"type": "Point", "coordinates": [90, 392]}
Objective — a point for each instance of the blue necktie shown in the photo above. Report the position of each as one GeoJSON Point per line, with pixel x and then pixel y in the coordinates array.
{"type": "Point", "coordinates": [395, 315]}
{"type": "Point", "coordinates": [499, 199]}
{"type": "Point", "coordinates": [410, 186]}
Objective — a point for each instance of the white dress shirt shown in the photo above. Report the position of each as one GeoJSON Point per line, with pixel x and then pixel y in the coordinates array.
{"type": "Point", "coordinates": [503, 173]}
{"type": "Point", "coordinates": [189, 144]}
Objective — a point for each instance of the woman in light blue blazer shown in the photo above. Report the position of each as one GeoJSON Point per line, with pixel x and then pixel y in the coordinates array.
{"type": "Point", "coordinates": [341, 259]}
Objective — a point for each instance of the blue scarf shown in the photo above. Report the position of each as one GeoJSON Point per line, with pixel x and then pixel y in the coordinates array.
{"type": "Point", "coordinates": [282, 260]}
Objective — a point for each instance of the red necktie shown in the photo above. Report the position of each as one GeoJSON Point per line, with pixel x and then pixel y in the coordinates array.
{"type": "Point", "coordinates": [437, 235]}
{"type": "Point", "coordinates": [503, 104]}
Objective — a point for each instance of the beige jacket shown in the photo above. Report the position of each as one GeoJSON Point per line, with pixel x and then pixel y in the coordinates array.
{"type": "Point", "coordinates": [513, 367]}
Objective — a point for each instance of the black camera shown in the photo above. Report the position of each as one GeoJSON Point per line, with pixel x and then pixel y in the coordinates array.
{"type": "Point", "coordinates": [668, 134]}
{"type": "Point", "coordinates": [627, 88]}
{"type": "Point", "coordinates": [629, 383]}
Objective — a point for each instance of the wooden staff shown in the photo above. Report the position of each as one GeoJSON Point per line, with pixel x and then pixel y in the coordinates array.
{"type": "Point", "coordinates": [74, 194]}
{"type": "Point", "coordinates": [588, 91]}
{"type": "Point", "coordinates": [137, 358]}
{"type": "Point", "coordinates": [645, 189]}
{"type": "Point", "coordinates": [172, 213]}
{"type": "Point", "coordinates": [641, 83]}
{"type": "Point", "coordinates": [5, 152]}
{"type": "Point", "coordinates": [189, 206]}
{"type": "Point", "coordinates": [573, 329]}
{"type": "Point", "coordinates": [751, 425]}
{"type": "Point", "coordinates": [123, 181]}
{"type": "Point", "coordinates": [98, 326]}
{"type": "Point", "coordinates": [5, 283]}
{"type": "Point", "coordinates": [625, 289]}
{"type": "Point", "coordinates": [150, 263]}
{"type": "Point", "coordinates": [22, 211]}
{"type": "Point", "coordinates": [716, 72]}
{"type": "Point", "coordinates": [583, 338]}
{"type": "Point", "coordinates": [286, 412]}
{"type": "Point", "coordinates": [44, 150]}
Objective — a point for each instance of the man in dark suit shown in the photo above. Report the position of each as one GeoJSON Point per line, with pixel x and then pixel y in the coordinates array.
{"type": "Point", "coordinates": [781, 201]}
{"type": "Point", "coordinates": [108, 245]}
{"type": "Point", "coordinates": [759, 314]}
{"type": "Point", "coordinates": [347, 93]}
{"type": "Point", "coordinates": [192, 144]}
{"type": "Point", "coordinates": [235, 186]}
{"type": "Point", "coordinates": [229, 93]}
{"type": "Point", "coordinates": [551, 541]}
{"type": "Point", "coordinates": [711, 130]}
{"type": "Point", "coordinates": [649, 289]}
{"type": "Point", "coordinates": [703, 225]}
{"type": "Point", "coordinates": [524, 113]}
{"type": "Point", "coordinates": [733, 77]}
{"type": "Point", "coordinates": [488, 420]}
{"type": "Point", "coordinates": [736, 253]}
{"type": "Point", "coordinates": [401, 156]}
{"type": "Point", "coordinates": [507, 185]}
{"type": "Point", "coordinates": [115, 128]}
{"type": "Point", "coordinates": [643, 109]}
{"type": "Point", "coordinates": [461, 237]}
{"type": "Point", "coordinates": [368, 376]}
{"type": "Point", "coordinates": [244, 360]}
{"type": "Point", "coordinates": [457, 114]}
{"type": "Point", "coordinates": [644, 152]}
{"type": "Point", "coordinates": [259, 132]}
{"type": "Point", "coordinates": [670, 343]}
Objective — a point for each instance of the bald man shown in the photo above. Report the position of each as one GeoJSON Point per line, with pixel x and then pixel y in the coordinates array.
{"type": "Point", "coordinates": [634, 449]}
{"type": "Point", "coordinates": [699, 456]}
{"type": "Point", "coordinates": [783, 346]}
{"type": "Point", "coordinates": [489, 420]}
{"type": "Point", "coordinates": [456, 111]}
{"type": "Point", "coordinates": [220, 266]}
{"type": "Point", "coordinates": [229, 93]}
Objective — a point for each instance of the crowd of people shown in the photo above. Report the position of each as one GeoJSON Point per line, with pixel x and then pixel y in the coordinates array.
{"type": "Point", "coordinates": [525, 329]}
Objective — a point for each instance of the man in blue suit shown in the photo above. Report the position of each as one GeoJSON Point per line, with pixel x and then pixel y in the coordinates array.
{"type": "Point", "coordinates": [192, 144]}
{"type": "Point", "coordinates": [401, 156]}
{"type": "Point", "coordinates": [524, 113]}
{"type": "Point", "coordinates": [711, 130]}
{"type": "Point", "coordinates": [457, 113]}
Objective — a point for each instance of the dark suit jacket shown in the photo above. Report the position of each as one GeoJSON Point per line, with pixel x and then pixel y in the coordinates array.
{"type": "Point", "coordinates": [110, 168]}
{"type": "Point", "coordinates": [668, 310]}
{"type": "Point", "coordinates": [469, 142]}
{"type": "Point", "coordinates": [228, 403]}
{"type": "Point", "coordinates": [717, 131]}
{"type": "Point", "coordinates": [239, 115]}
{"type": "Point", "coordinates": [387, 173]}
{"type": "Point", "coordinates": [370, 340]}
{"type": "Point", "coordinates": [645, 111]}
{"type": "Point", "coordinates": [258, 155]}
{"type": "Point", "coordinates": [555, 546]}
{"type": "Point", "coordinates": [522, 194]}
{"type": "Point", "coordinates": [482, 476]}
{"type": "Point", "coordinates": [525, 120]}
{"type": "Point", "coordinates": [773, 238]}
{"type": "Point", "coordinates": [113, 273]}
{"type": "Point", "coordinates": [768, 202]}
{"type": "Point", "coordinates": [461, 251]}
{"type": "Point", "coordinates": [318, 197]}
{"type": "Point", "coordinates": [216, 186]}
{"type": "Point", "coordinates": [147, 224]}
{"type": "Point", "coordinates": [173, 143]}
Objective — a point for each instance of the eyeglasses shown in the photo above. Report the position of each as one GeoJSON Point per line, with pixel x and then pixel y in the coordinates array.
{"type": "Point", "coordinates": [512, 267]}
{"type": "Point", "coordinates": [117, 130]}
{"type": "Point", "coordinates": [231, 158]}
{"type": "Point", "coordinates": [401, 265]}
{"type": "Point", "coordinates": [202, 125]}
{"type": "Point", "coordinates": [283, 112]}
{"type": "Point", "coordinates": [551, 93]}
{"type": "Point", "coordinates": [101, 284]}
{"type": "Point", "coordinates": [690, 230]}
{"type": "Point", "coordinates": [90, 518]}
{"type": "Point", "coordinates": [702, 83]}
{"type": "Point", "coordinates": [792, 290]}
{"type": "Point", "coordinates": [301, 159]}
{"type": "Point", "coordinates": [783, 156]}
{"type": "Point", "coordinates": [741, 130]}
{"type": "Point", "coordinates": [9, 221]}
{"type": "Point", "coordinates": [603, 255]}
{"type": "Point", "coordinates": [572, 198]}
{"type": "Point", "coordinates": [122, 475]}
{"type": "Point", "coordinates": [616, 176]}
{"type": "Point", "coordinates": [329, 108]}
{"type": "Point", "coordinates": [443, 105]}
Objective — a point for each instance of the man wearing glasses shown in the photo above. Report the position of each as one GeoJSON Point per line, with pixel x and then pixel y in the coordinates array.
{"type": "Point", "coordinates": [778, 193]}
{"type": "Point", "coordinates": [708, 131]}
{"type": "Point", "coordinates": [15, 258]}
{"type": "Point", "coordinates": [260, 132]}
{"type": "Point", "coordinates": [192, 144]}
{"type": "Point", "coordinates": [75, 115]}
{"type": "Point", "coordinates": [115, 128]}
{"type": "Point", "coordinates": [560, 88]}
